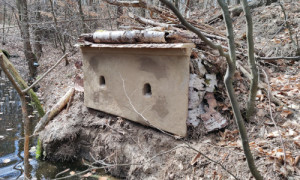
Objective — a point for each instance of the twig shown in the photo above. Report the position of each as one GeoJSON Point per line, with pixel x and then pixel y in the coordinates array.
{"type": "Point", "coordinates": [271, 115]}
{"type": "Point", "coordinates": [277, 58]}
{"type": "Point", "coordinates": [33, 84]}
{"type": "Point", "coordinates": [62, 172]}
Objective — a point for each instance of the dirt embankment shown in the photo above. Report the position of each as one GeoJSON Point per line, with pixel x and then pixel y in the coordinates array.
{"type": "Point", "coordinates": [146, 153]}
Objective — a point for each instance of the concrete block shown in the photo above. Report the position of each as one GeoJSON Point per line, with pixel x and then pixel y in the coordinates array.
{"type": "Point", "coordinates": [139, 81]}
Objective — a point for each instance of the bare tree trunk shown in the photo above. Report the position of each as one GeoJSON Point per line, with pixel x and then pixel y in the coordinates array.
{"type": "Point", "coordinates": [82, 16]}
{"type": "Point", "coordinates": [4, 17]}
{"type": "Point", "coordinates": [228, 79]}
{"type": "Point", "coordinates": [119, 14]}
{"type": "Point", "coordinates": [187, 9]}
{"type": "Point", "coordinates": [38, 47]}
{"type": "Point", "coordinates": [24, 28]}
{"type": "Point", "coordinates": [251, 61]}
{"type": "Point", "coordinates": [60, 38]}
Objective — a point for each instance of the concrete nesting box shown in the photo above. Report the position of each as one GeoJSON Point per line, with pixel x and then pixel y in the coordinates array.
{"type": "Point", "coordinates": [138, 82]}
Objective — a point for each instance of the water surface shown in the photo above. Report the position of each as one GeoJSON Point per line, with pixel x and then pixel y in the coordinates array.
{"type": "Point", "coordinates": [12, 142]}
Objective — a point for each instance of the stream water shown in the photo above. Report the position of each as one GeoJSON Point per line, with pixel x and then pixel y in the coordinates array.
{"type": "Point", "coordinates": [12, 164]}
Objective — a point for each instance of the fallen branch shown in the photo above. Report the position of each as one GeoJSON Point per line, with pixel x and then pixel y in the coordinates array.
{"type": "Point", "coordinates": [132, 27]}
{"type": "Point", "coordinates": [295, 58]}
{"type": "Point", "coordinates": [54, 111]}
{"type": "Point", "coordinates": [44, 75]}
{"type": "Point", "coordinates": [145, 21]}
{"type": "Point", "coordinates": [164, 14]}
{"type": "Point", "coordinates": [149, 22]}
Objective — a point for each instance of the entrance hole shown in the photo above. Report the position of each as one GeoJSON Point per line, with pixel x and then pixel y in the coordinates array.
{"type": "Point", "coordinates": [147, 90]}
{"type": "Point", "coordinates": [102, 82]}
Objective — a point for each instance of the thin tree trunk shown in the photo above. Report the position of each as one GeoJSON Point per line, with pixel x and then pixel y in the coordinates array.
{"type": "Point", "coordinates": [119, 14]}
{"type": "Point", "coordinates": [38, 48]}
{"type": "Point", "coordinates": [4, 17]}
{"type": "Point", "coordinates": [60, 38]}
{"type": "Point", "coordinates": [187, 9]}
{"type": "Point", "coordinates": [109, 15]}
{"type": "Point", "coordinates": [24, 28]}
{"type": "Point", "coordinates": [9, 22]}
{"type": "Point", "coordinates": [228, 79]}
{"type": "Point", "coordinates": [82, 16]}
{"type": "Point", "coordinates": [251, 60]}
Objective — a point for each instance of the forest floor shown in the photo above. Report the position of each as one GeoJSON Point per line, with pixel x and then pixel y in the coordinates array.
{"type": "Point", "coordinates": [146, 153]}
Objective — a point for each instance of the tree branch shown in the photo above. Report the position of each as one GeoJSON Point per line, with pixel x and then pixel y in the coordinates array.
{"type": "Point", "coordinates": [44, 75]}
{"type": "Point", "coordinates": [196, 31]}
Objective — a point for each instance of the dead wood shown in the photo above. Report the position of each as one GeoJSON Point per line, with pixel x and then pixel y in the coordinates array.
{"type": "Point", "coordinates": [54, 111]}
{"type": "Point", "coordinates": [176, 27]}
{"type": "Point", "coordinates": [166, 15]}
{"type": "Point", "coordinates": [149, 22]}
{"type": "Point", "coordinates": [132, 27]}
{"type": "Point", "coordinates": [295, 58]}
{"type": "Point", "coordinates": [129, 37]}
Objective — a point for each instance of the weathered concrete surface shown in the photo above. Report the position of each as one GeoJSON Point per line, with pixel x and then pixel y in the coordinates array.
{"type": "Point", "coordinates": [144, 83]}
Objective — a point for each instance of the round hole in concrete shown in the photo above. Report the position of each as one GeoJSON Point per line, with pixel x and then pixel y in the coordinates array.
{"type": "Point", "coordinates": [147, 90]}
{"type": "Point", "coordinates": [102, 81]}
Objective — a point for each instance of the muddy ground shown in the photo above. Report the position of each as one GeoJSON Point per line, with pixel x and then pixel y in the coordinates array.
{"type": "Point", "coordinates": [139, 152]}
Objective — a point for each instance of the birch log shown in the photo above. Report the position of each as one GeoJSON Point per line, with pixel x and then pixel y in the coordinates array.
{"type": "Point", "coordinates": [136, 36]}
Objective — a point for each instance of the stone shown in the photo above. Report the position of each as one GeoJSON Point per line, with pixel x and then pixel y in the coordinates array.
{"type": "Point", "coordinates": [145, 83]}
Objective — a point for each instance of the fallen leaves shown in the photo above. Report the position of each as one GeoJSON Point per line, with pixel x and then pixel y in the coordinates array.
{"type": "Point", "coordinates": [286, 113]}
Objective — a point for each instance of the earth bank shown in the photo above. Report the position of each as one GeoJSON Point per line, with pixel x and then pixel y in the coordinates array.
{"type": "Point", "coordinates": [140, 152]}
